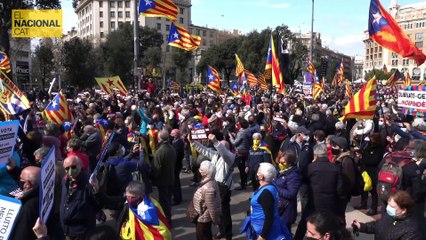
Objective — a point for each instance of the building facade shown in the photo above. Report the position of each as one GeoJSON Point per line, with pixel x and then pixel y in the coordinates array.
{"type": "Point", "coordinates": [412, 19]}
{"type": "Point", "coordinates": [20, 60]}
{"type": "Point", "coordinates": [97, 18]}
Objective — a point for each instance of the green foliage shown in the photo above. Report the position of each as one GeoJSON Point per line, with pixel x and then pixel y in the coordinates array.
{"type": "Point", "coordinates": [152, 57]}
{"type": "Point", "coordinates": [44, 56]}
{"type": "Point", "coordinates": [80, 63]}
{"type": "Point", "coordinates": [380, 74]}
{"type": "Point", "coordinates": [181, 60]}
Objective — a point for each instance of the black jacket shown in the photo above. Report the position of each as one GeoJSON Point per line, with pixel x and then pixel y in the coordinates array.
{"type": "Point", "coordinates": [388, 228]}
{"type": "Point", "coordinates": [27, 216]}
{"type": "Point", "coordinates": [326, 184]}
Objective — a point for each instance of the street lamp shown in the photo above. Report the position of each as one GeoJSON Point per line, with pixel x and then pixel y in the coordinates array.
{"type": "Point", "coordinates": [311, 54]}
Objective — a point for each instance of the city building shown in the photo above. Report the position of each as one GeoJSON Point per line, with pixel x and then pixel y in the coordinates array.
{"type": "Point", "coordinates": [325, 56]}
{"type": "Point", "coordinates": [20, 60]}
{"type": "Point", "coordinates": [97, 18]}
{"type": "Point", "coordinates": [412, 19]}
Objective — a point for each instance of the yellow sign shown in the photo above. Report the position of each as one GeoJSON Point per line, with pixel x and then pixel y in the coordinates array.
{"type": "Point", "coordinates": [36, 23]}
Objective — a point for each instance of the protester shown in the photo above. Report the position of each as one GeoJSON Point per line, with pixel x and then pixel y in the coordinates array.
{"type": "Point", "coordinates": [326, 225]}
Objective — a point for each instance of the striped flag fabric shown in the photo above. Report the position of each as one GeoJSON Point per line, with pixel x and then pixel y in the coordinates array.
{"type": "Point", "coordinates": [244, 90]}
{"type": "Point", "coordinates": [335, 81]}
{"type": "Point", "coordinates": [311, 69]}
{"type": "Point", "coordinates": [57, 111]}
{"type": "Point", "coordinates": [363, 103]}
{"type": "Point", "coordinates": [251, 79]}
{"type": "Point", "coordinates": [317, 88]}
{"type": "Point", "coordinates": [4, 62]}
{"type": "Point", "coordinates": [110, 84]}
{"type": "Point", "coordinates": [235, 89]}
{"type": "Point", "coordinates": [407, 79]}
{"type": "Point", "coordinates": [148, 221]}
{"type": "Point", "coordinates": [340, 72]}
{"type": "Point", "coordinates": [12, 99]}
{"type": "Point", "coordinates": [268, 64]}
{"type": "Point", "coordinates": [277, 78]}
{"type": "Point", "coordinates": [158, 8]}
{"type": "Point", "coordinates": [181, 38]}
{"type": "Point", "coordinates": [239, 69]}
{"type": "Point", "coordinates": [348, 89]}
{"type": "Point", "coordinates": [213, 79]}
{"type": "Point", "coordinates": [173, 85]}
{"type": "Point", "coordinates": [261, 79]}
{"type": "Point", "coordinates": [395, 77]}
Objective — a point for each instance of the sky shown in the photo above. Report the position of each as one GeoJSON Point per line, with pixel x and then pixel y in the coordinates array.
{"type": "Point", "coordinates": [341, 23]}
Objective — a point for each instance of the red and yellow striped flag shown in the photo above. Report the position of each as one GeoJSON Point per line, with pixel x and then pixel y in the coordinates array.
{"type": "Point", "coordinates": [148, 221]}
{"type": "Point", "coordinates": [407, 80]}
{"type": "Point", "coordinates": [57, 111]}
{"type": "Point", "coordinates": [239, 69]}
{"type": "Point", "coordinates": [262, 81]}
{"type": "Point", "coordinates": [348, 89]}
{"type": "Point", "coordinates": [251, 79]}
{"type": "Point", "coordinates": [363, 103]}
{"type": "Point", "coordinates": [109, 84]}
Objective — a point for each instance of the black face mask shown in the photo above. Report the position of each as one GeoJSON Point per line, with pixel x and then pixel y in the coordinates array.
{"type": "Point", "coordinates": [335, 151]}
{"type": "Point", "coordinates": [263, 133]}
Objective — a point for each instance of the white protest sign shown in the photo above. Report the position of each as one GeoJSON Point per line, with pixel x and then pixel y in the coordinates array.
{"type": "Point", "coordinates": [412, 100]}
{"type": "Point", "coordinates": [47, 185]}
{"type": "Point", "coordinates": [9, 209]}
{"type": "Point", "coordinates": [8, 132]}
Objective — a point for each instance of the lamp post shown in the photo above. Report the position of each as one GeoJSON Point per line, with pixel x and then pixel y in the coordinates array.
{"type": "Point", "coordinates": [135, 46]}
{"type": "Point", "coordinates": [311, 53]}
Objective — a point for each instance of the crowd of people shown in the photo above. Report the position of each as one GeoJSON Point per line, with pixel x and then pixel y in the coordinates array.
{"type": "Point", "coordinates": [288, 148]}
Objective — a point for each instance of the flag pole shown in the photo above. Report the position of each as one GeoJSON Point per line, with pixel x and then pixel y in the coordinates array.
{"type": "Point", "coordinates": [135, 46]}
{"type": "Point", "coordinates": [311, 53]}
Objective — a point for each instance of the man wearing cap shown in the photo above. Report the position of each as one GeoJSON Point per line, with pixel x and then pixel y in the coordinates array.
{"type": "Point", "coordinates": [343, 158]}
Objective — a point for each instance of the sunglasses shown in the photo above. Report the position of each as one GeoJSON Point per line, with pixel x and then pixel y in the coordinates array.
{"type": "Point", "coordinates": [72, 167]}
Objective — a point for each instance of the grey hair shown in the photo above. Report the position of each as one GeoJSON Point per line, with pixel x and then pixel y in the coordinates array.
{"type": "Point", "coordinates": [208, 168]}
{"type": "Point", "coordinates": [136, 188]}
{"type": "Point", "coordinates": [339, 125]}
{"type": "Point", "coordinates": [420, 149]}
{"type": "Point", "coordinates": [268, 171]}
{"type": "Point", "coordinates": [257, 135]}
{"type": "Point", "coordinates": [163, 135]}
{"type": "Point", "coordinates": [320, 150]}
{"type": "Point", "coordinates": [43, 151]}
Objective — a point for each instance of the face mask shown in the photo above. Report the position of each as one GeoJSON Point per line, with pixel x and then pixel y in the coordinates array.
{"type": "Point", "coordinates": [335, 151]}
{"type": "Point", "coordinates": [306, 138]}
{"type": "Point", "coordinates": [73, 173]}
{"type": "Point", "coordinates": [134, 202]}
{"type": "Point", "coordinates": [219, 114]}
{"type": "Point", "coordinates": [126, 122]}
{"type": "Point", "coordinates": [282, 166]}
{"type": "Point", "coordinates": [256, 144]}
{"type": "Point", "coordinates": [391, 211]}
{"type": "Point", "coordinates": [263, 133]}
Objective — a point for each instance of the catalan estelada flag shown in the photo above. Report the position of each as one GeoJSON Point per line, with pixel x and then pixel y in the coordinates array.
{"type": "Point", "coordinates": [261, 79]}
{"type": "Point", "coordinates": [239, 69]}
{"type": "Point", "coordinates": [245, 90]}
{"type": "Point", "coordinates": [385, 31]}
{"type": "Point", "coordinates": [363, 103]}
{"type": "Point", "coordinates": [251, 79]}
{"type": "Point", "coordinates": [173, 85]}
{"type": "Point", "coordinates": [148, 221]}
{"type": "Point", "coordinates": [235, 89]}
{"type": "Point", "coordinates": [4, 62]}
{"type": "Point", "coordinates": [57, 111]}
{"type": "Point", "coordinates": [102, 125]}
{"type": "Point", "coordinates": [407, 79]}
{"type": "Point", "coordinates": [277, 78]}
{"type": "Point", "coordinates": [180, 37]}
{"type": "Point", "coordinates": [317, 88]}
{"type": "Point", "coordinates": [264, 146]}
{"type": "Point", "coordinates": [213, 80]}
{"type": "Point", "coordinates": [395, 77]}
{"type": "Point", "coordinates": [110, 84]}
{"type": "Point", "coordinates": [348, 89]}
{"type": "Point", "coordinates": [11, 98]}
{"type": "Point", "coordinates": [268, 64]}
{"type": "Point", "coordinates": [311, 69]}
{"type": "Point", "coordinates": [340, 72]}
{"type": "Point", "coordinates": [158, 8]}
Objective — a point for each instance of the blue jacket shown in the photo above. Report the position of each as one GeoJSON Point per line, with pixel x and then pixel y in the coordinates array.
{"type": "Point", "coordinates": [288, 183]}
{"type": "Point", "coordinates": [120, 174]}
{"type": "Point", "coordinates": [7, 183]}
{"type": "Point", "coordinates": [78, 210]}
{"type": "Point", "coordinates": [304, 155]}
{"type": "Point", "coordinates": [255, 158]}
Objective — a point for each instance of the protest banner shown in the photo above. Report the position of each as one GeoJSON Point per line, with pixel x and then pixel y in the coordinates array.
{"type": "Point", "coordinates": [47, 185]}
{"type": "Point", "coordinates": [9, 209]}
{"type": "Point", "coordinates": [412, 100]}
{"type": "Point", "coordinates": [200, 134]}
{"type": "Point", "coordinates": [8, 132]}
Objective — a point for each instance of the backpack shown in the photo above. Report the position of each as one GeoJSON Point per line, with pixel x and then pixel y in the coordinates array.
{"type": "Point", "coordinates": [390, 174]}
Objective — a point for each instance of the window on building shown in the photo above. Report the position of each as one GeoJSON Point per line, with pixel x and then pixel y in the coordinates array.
{"type": "Point", "coordinates": [112, 14]}
{"type": "Point", "coordinates": [419, 44]}
{"type": "Point", "coordinates": [167, 26]}
{"type": "Point", "coordinates": [211, 34]}
{"type": "Point", "coordinates": [375, 49]}
{"type": "Point", "coordinates": [158, 18]}
{"type": "Point", "coordinates": [127, 14]}
{"type": "Point", "coordinates": [112, 25]}
{"type": "Point", "coordinates": [366, 58]}
{"type": "Point", "coordinates": [368, 51]}
{"type": "Point", "coordinates": [395, 62]}
{"type": "Point", "coordinates": [101, 14]}
{"type": "Point", "coordinates": [181, 20]}
{"type": "Point", "coordinates": [158, 26]}
{"type": "Point", "coordinates": [419, 36]}
{"type": "Point", "coordinates": [112, 4]}
{"type": "Point", "coordinates": [204, 33]}
{"type": "Point", "coordinates": [127, 4]}
{"type": "Point", "coordinates": [101, 24]}
{"type": "Point", "coordinates": [181, 10]}
{"type": "Point", "coordinates": [380, 55]}
{"type": "Point", "coordinates": [120, 4]}
{"type": "Point", "coordinates": [120, 14]}
{"type": "Point", "coordinates": [198, 32]}
{"type": "Point", "coordinates": [101, 4]}
{"type": "Point", "coordinates": [394, 55]}
{"type": "Point", "coordinates": [120, 23]}
{"type": "Point", "coordinates": [102, 34]}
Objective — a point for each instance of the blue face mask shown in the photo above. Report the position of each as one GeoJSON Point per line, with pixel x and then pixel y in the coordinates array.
{"type": "Point", "coordinates": [391, 211]}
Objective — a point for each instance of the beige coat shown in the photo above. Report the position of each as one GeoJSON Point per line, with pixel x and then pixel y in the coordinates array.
{"type": "Point", "coordinates": [207, 201]}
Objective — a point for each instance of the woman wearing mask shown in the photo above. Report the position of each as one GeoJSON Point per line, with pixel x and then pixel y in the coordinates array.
{"type": "Point", "coordinates": [288, 183]}
{"type": "Point", "coordinates": [396, 223]}
{"type": "Point", "coordinates": [264, 221]}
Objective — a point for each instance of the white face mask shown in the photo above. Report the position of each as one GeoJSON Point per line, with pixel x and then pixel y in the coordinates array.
{"type": "Point", "coordinates": [219, 114]}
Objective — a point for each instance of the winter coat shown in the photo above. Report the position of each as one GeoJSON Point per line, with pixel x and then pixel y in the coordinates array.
{"type": "Point", "coordinates": [163, 165]}
{"type": "Point", "coordinates": [242, 141]}
{"type": "Point", "coordinates": [27, 216]}
{"type": "Point", "coordinates": [288, 183]}
{"type": "Point", "coordinates": [207, 201]}
{"type": "Point", "coordinates": [304, 154]}
{"type": "Point", "coordinates": [389, 228]}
